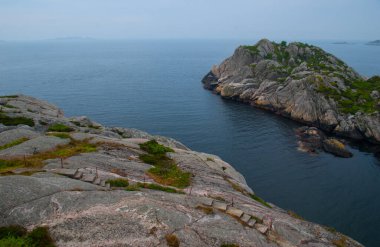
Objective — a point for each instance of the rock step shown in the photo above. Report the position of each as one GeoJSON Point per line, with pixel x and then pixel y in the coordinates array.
{"type": "Point", "coordinates": [245, 218]}
{"type": "Point", "coordinates": [97, 181]}
{"type": "Point", "coordinates": [262, 228]}
{"type": "Point", "coordinates": [251, 222]}
{"type": "Point", "coordinates": [234, 212]}
{"type": "Point", "coordinates": [103, 183]}
{"type": "Point", "coordinates": [207, 201]}
{"type": "Point", "coordinates": [108, 186]}
{"type": "Point", "coordinates": [78, 175]}
{"type": "Point", "coordinates": [220, 205]}
{"type": "Point", "coordinates": [90, 178]}
{"type": "Point", "coordinates": [66, 172]}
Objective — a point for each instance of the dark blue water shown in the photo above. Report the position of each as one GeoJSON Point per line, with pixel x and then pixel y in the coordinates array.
{"type": "Point", "coordinates": [155, 86]}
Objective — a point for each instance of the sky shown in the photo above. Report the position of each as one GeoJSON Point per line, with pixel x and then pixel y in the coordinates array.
{"type": "Point", "coordinates": [190, 19]}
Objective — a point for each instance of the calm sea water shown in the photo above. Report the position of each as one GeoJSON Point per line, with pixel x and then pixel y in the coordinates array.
{"type": "Point", "coordinates": [155, 86]}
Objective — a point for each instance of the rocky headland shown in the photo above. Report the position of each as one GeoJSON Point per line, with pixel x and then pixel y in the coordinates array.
{"type": "Point", "coordinates": [304, 83]}
{"type": "Point", "coordinates": [73, 182]}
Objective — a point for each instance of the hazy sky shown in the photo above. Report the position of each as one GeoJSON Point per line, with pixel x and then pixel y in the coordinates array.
{"type": "Point", "coordinates": [231, 19]}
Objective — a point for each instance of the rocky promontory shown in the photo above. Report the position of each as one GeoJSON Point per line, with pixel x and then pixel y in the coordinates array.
{"type": "Point", "coordinates": [74, 182]}
{"type": "Point", "coordinates": [304, 83]}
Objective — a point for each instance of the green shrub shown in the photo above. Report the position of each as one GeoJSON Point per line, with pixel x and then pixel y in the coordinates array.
{"type": "Point", "coordinates": [12, 231]}
{"type": "Point", "coordinates": [118, 182]}
{"type": "Point", "coordinates": [12, 121]}
{"type": "Point", "coordinates": [17, 236]}
{"type": "Point", "coordinates": [14, 242]}
{"type": "Point", "coordinates": [153, 147]}
{"type": "Point", "coordinates": [57, 127]}
{"type": "Point", "coordinates": [40, 237]}
{"type": "Point", "coordinates": [165, 171]}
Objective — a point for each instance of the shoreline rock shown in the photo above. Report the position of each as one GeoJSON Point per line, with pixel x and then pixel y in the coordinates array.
{"type": "Point", "coordinates": [69, 189]}
{"type": "Point", "coordinates": [313, 140]}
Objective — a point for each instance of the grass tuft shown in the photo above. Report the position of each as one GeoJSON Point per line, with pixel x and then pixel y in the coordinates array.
{"type": "Point", "coordinates": [229, 245]}
{"type": "Point", "coordinates": [13, 121]}
{"type": "Point", "coordinates": [172, 240]}
{"type": "Point", "coordinates": [118, 182]}
{"type": "Point", "coordinates": [153, 147]}
{"type": "Point", "coordinates": [158, 187]}
{"type": "Point", "coordinates": [61, 135]}
{"type": "Point", "coordinates": [14, 143]}
{"type": "Point", "coordinates": [260, 200]}
{"type": "Point", "coordinates": [295, 215]}
{"type": "Point", "coordinates": [57, 127]}
{"type": "Point", "coordinates": [341, 242]}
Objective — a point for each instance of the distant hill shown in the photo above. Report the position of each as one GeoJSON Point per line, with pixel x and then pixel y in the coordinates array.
{"type": "Point", "coordinates": [375, 42]}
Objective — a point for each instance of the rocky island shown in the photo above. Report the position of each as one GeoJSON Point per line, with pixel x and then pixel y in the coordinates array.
{"type": "Point", "coordinates": [304, 83]}
{"type": "Point", "coordinates": [73, 182]}
{"type": "Point", "coordinates": [375, 42]}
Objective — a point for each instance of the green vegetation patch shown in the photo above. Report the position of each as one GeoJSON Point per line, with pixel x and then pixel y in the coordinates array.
{"type": "Point", "coordinates": [118, 182]}
{"type": "Point", "coordinates": [153, 147]}
{"type": "Point", "coordinates": [12, 121]}
{"type": "Point", "coordinates": [61, 135]}
{"type": "Point", "coordinates": [355, 98]}
{"type": "Point", "coordinates": [9, 96]}
{"type": "Point", "coordinates": [57, 127]}
{"type": "Point", "coordinates": [260, 200]}
{"type": "Point", "coordinates": [158, 187]}
{"type": "Point", "coordinates": [252, 49]}
{"type": "Point", "coordinates": [165, 171]}
{"type": "Point", "coordinates": [37, 160]}
{"type": "Point", "coordinates": [14, 143]}
{"type": "Point", "coordinates": [17, 236]}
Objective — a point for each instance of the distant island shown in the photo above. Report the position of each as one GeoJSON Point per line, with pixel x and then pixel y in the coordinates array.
{"type": "Point", "coordinates": [304, 83]}
{"type": "Point", "coordinates": [341, 43]}
{"type": "Point", "coordinates": [375, 42]}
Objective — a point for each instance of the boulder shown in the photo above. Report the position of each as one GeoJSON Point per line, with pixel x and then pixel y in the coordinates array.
{"type": "Point", "coordinates": [336, 147]}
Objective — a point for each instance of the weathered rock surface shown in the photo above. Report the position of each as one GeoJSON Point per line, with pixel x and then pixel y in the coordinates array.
{"type": "Point", "coordinates": [301, 82]}
{"type": "Point", "coordinates": [73, 200]}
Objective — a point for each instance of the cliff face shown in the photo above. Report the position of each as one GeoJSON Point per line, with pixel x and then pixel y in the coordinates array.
{"type": "Point", "coordinates": [97, 186]}
{"type": "Point", "coordinates": [304, 83]}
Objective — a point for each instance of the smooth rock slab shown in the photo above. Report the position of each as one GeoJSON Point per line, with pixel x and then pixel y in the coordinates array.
{"type": "Point", "coordinates": [36, 145]}
{"type": "Point", "coordinates": [15, 134]}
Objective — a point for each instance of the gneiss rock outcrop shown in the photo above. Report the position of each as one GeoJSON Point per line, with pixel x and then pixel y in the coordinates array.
{"type": "Point", "coordinates": [91, 185]}
{"type": "Point", "coordinates": [304, 83]}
